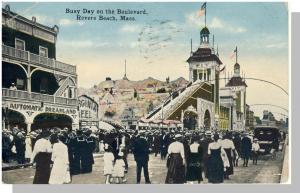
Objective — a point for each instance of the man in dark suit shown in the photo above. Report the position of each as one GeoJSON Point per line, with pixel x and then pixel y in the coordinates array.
{"type": "Point", "coordinates": [204, 142]}
{"type": "Point", "coordinates": [79, 151]}
{"type": "Point", "coordinates": [87, 157]}
{"type": "Point", "coordinates": [237, 144]}
{"type": "Point", "coordinates": [141, 156]}
{"type": "Point", "coordinates": [164, 144]}
{"type": "Point", "coordinates": [246, 146]}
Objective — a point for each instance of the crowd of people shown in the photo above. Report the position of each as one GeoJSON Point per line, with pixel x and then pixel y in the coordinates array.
{"type": "Point", "coordinates": [190, 156]}
{"type": "Point", "coordinates": [14, 146]}
{"type": "Point", "coordinates": [54, 152]}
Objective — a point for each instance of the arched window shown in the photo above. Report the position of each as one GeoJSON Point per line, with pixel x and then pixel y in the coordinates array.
{"type": "Point", "coordinates": [70, 92]}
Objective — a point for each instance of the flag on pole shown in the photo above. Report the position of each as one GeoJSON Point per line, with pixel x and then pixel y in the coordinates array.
{"type": "Point", "coordinates": [233, 54]}
{"type": "Point", "coordinates": [202, 10]}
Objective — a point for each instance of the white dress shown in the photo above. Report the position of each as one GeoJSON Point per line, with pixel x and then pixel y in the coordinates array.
{"type": "Point", "coordinates": [108, 159]}
{"type": "Point", "coordinates": [28, 151]}
{"type": "Point", "coordinates": [119, 168]}
{"type": "Point", "coordinates": [101, 146]}
{"type": "Point", "coordinates": [60, 171]}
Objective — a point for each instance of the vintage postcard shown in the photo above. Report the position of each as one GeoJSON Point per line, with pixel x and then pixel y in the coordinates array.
{"type": "Point", "coordinates": [145, 92]}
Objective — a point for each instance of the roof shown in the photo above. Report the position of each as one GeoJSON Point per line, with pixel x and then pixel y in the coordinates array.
{"type": "Point", "coordinates": [204, 31]}
{"type": "Point", "coordinates": [236, 81]}
{"type": "Point", "coordinates": [204, 54]}
{"type": "Point", "coordinates": [237, 65]}
{"type": "Point", "coordinates": [17, 16]}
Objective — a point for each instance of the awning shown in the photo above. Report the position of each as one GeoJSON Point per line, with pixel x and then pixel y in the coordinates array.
{"type": "Point", "coordinates": [106, 126]}
{"type": "Point", "coordinates": [94, 128]}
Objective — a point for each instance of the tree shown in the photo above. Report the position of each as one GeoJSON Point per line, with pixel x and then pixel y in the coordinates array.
{"type": "Point", "coordinates": [161, 90]}
{"type": "Point", "coordinates": [257, 119]}
{"type": "Point", "coordinates": [135, 94]}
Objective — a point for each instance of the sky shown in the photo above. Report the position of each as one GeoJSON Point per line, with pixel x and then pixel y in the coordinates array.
{"type": "Point", "coordinates": [157, 44]}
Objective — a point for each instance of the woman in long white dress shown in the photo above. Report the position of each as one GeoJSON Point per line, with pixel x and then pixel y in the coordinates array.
{"type": "Point", "coordinates": [60, 171]}
{"type": "Point", "coordinates": [108, 158]}
{"type": "Point", "coordinates": [28, 149]}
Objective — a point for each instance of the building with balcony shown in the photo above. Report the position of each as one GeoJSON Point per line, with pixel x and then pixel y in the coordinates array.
{"type": "Point", "coordinates": [38, 91]}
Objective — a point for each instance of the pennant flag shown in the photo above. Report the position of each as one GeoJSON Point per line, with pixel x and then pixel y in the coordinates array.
{"type": "Point", "coordinates": [233, 54]}
{"type": "Point", "coordinates": [202, 10]}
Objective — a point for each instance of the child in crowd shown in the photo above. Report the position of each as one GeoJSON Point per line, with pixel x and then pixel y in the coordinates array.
{"type": "Point", "coordinates": [108, 158]}
{"type": "Point", "coordinates": [255, 151]}
{"type": "Point", "coordinates": [119, 169]}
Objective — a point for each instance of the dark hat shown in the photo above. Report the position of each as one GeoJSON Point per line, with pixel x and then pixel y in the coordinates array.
{"type": "Point", "coordinates": [54, 138]}
{"type": "Point", "coordinates": [79, 132]}
{"type": "Point", "coordinates": [45, 133]}
{"type": "Point", "coordinates": [62, 137]}
{"type": "Point", "coordinates": [216, 137]}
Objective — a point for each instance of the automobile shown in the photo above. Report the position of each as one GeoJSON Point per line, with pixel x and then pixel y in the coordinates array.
{"type": "Point", "coordinates": [267, 136]}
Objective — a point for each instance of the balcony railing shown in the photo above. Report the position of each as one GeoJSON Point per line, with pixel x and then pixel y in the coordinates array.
{"type": "Point", "coordinates": [37, 59]}
{"type": "Point", "coordinates": [20, 94]}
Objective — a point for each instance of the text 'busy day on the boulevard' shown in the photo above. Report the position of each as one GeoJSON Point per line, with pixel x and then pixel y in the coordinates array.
{"type": "Point", "coordinates": [106, 14]}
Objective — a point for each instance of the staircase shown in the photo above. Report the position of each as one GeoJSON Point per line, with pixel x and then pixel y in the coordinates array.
{"type": "Point", "coordinates": [171, 105]}
{"type": "Point", "coordinates": [63, 87]}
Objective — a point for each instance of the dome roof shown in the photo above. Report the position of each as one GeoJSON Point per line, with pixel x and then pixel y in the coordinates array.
{"type": "Point", "coordinates": [204, 31]}
{"type": "Point", "coordinates": [237, 65]}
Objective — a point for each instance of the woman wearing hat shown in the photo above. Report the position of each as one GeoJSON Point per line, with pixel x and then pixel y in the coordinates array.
{"type": "Point", "coordinates": [41, 155]}
{"type": "Point", "coordinates": [229, 148]}
{"type": "Point", "coordinates": [176, 162]}
{"type": "Point", "coordinates": [60, 172]}
{"type": "Point", "coordinates": [108, 158]}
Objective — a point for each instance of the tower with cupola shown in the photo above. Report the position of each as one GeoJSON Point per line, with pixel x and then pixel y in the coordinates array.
{"type": "Point", "coordinates": [204, 66]}
{"type": "Point", "coordinates": [238, 85]}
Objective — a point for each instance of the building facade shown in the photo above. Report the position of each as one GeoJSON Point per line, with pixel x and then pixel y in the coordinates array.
{"type": "Point", "coordinates": [196, 106]}
{"type": "Point", "coordinates": [268, 119]}
{"type": "Point", "coordinates": [237, 87]}
{"type": "Point", "coordinates": [250, 119]}
{"type": "Point", "coordinates": [224, 118]}
{"type": "Point", "coordinates": [227, 100]}
{"type": "Point", "coordinates": [38, 91]}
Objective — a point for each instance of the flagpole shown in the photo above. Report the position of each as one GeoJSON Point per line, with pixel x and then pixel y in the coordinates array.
{"type": "Point", "coordinates": [205, 14]}
{"type": "Point", "coordinates": [236, 54]}
{"type": "Point", "coordinates": [214, 42]}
